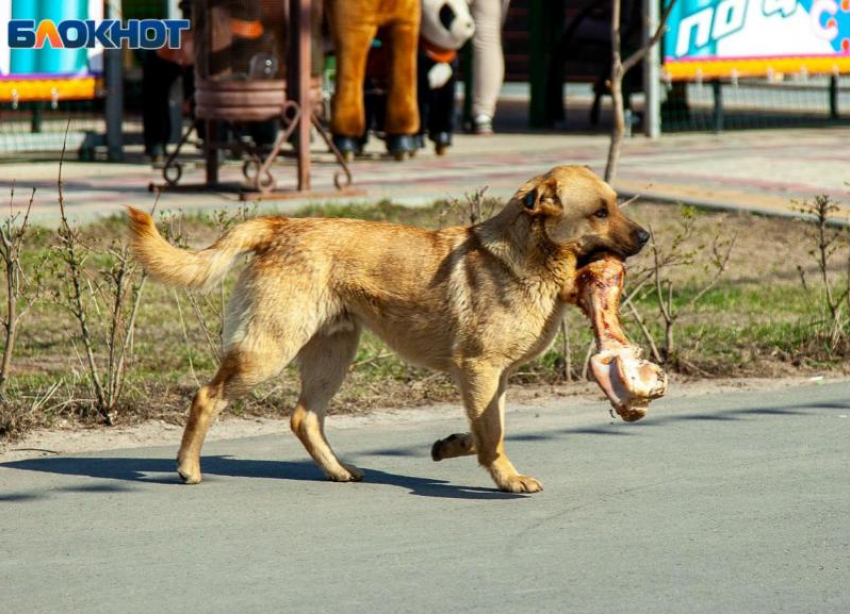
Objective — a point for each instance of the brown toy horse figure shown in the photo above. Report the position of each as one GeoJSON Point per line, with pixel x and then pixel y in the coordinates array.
{"type": "Point", "coordinates": [353, 27]}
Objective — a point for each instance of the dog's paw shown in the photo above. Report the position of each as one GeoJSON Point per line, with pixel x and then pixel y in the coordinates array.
{"type": "Point", "coordinates": [457, 444]}
{"type": "Point", "coordinates": [349, 473]}
{"type": "Point", "coordinates": [189, 472]}
{"type": "Point", "coordinates": [437, 451]}
{"type": "Point", "coordinates": [521, 484]}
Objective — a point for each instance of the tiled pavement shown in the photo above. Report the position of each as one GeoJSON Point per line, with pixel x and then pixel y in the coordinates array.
{"type": "Point", "coordinates": [757, 170]}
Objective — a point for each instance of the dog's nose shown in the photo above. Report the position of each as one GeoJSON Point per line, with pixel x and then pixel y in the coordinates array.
{"type": "Point", "coordinates": [641, 236]}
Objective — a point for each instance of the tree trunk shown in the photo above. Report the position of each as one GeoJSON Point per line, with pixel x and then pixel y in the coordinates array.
{"type": "Point", "coordinates": [668, 342]}
{"type": "Point", "coordinates": [11, 324]}
{"type": "Point", "coordinates": [619, 68]}
{"type": "Point", "coordinates": [618, 128]}
{"type": "Point", "coordinates": [568, 361]}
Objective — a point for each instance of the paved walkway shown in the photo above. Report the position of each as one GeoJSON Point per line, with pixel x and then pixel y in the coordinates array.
{"type": "Point", "coordinates": [758, 170]}
{"type": "Point", "coordinates": [731, 502]}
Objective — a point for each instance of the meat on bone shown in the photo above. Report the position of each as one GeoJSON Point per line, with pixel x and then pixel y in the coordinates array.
{"type": "Point", "coordinates": [628, 381]}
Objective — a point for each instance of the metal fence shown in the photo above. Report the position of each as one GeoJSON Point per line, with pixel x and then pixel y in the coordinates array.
{"type": "Point", "coordinates": [796, 101]}
{"type": "Point", "coordinates": [33, 127]}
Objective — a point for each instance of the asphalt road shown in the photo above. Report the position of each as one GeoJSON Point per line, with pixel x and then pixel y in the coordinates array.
{"type": "Point", "coordinates": [722, 504]}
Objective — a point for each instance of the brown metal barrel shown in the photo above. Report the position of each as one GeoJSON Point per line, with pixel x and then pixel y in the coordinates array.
{"type": "Point", "coordinates": [248, 100]}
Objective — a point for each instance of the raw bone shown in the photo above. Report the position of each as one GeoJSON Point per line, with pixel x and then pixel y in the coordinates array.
{"type": "Point", "coordinates": [628, 381]}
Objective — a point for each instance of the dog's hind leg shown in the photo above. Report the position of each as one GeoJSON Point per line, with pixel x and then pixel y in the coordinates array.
{"type": "Point", "coordinates": [483, 389]}
{"type": "Point", "coordinates": [239, 372]}
{"type": "Point", "coordinates": [324, 362]}
{"type": "Point", "coordinates": [456, 444]}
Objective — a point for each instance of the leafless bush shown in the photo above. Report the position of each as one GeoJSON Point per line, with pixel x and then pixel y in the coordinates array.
{"type": "Point", "coordinates": [102, 281]}
{"type": "Point", "coordinates": [475, 207]}
{"type": "Point", "coordinates": [619, 68]}
{"type": "Point", "coordinates": [656, 282]}
{"type": "Point", "coordinates": [827, 240]}
{"type": "Point", "coordinates": [21, 291]}
{"type": "Point", "coordinates": [720, 253]}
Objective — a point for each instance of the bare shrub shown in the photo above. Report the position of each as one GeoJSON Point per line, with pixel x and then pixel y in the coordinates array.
{"type": "Point", "coordinates": [474, 208]}
{"type": "Point", "coordinates": [619, 68]}
{"type": "Point", "coordinates": [21, 290]}
{"type": "Point", "coordinates": [102, 290]}
{"type": "Point", "coordinates": [721, 250]}
{"type": "Point", "coordinates": [833, 288]}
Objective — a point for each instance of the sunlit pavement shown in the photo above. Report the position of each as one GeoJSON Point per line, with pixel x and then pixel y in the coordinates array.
{"type": "Point", "coordinates": [724, 503]}
{"type": "Point", "coordinates": [753, 170]}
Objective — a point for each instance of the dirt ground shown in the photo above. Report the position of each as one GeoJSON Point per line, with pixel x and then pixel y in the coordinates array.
{"type": "Point", "coordinates": [71, 439]}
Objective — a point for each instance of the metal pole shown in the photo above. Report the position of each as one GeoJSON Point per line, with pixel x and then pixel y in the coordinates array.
{"type": "Point", "coordinates": [114, 75]}
{"type": "Point", "coordinates": [652, 72]}
{"type": "Point", "coordinates": [211, 151]}
{"type": "Point", "coordinates": [466, 69]}
{"type": "Point", "coordinates": [36, 121]}
{"type": "Point", "coordinates": [717, 90]}
{"type": "Point", "coordinates": [298, 84]}
{"type": "Point", "coordinates": [833, 97]}
{"type": "Point", "coordinates": [537, 63]}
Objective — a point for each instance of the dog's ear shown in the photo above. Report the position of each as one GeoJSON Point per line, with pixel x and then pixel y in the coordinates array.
{"type": "Point", "coordinates": [543, 199]}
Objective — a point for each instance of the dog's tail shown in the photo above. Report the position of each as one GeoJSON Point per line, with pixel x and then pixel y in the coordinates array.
{"type": "Point", "coordinates": [189, 268]}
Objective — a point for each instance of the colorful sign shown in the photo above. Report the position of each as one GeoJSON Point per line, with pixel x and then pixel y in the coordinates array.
{"type": "Point", "coordinates": [50, 73]}
{"type": "Point", "coordinates": [709, 39]}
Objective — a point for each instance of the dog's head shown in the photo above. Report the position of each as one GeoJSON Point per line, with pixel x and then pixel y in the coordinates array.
{"type": "Point", "coordinates": [579, 211]}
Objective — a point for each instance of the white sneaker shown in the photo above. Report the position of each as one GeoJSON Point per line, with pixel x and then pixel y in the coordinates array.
{"type": "Point", "coordinates": [482, 124]}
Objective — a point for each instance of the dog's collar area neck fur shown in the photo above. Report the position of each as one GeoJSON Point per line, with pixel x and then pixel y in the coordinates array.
{"type": "Point", "coordinates": [520, 241]}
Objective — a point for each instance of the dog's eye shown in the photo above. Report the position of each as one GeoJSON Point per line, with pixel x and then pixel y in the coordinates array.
{"type": "Point", "coordinates": [602, 213]}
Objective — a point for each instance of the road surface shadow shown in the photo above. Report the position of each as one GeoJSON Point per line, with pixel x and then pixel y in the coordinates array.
{"type": "Point", "coordinates": [163, 471]}
{"type": "Point", "coordinates": [139, 469]}
{"type": "Point", "coordinates": [617, 428]}
{"type": "Point", "coordinates": [798, 409]}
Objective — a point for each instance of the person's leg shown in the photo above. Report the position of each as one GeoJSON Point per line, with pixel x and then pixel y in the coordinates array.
{"type": "Point", "coordinates": [488, 62]}
{"type": "Point", "coordinates": [423, 95]}
{"type": "Point", "coordinates": [157, 78]}
{"type": "Point", "coordinates": [442, 109]}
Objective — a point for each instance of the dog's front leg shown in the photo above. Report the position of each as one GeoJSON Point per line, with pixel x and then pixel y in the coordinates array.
{"type": "Point", "coordinates": [483, 390]}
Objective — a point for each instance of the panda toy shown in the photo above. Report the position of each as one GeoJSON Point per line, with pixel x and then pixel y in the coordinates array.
{"type": "Point", "coordinates": [445, 27]}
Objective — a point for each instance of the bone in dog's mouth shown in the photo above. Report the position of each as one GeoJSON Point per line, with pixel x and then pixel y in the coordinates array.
{"type": "Point", "coordinates": [596, 255]}
{"type": "Point", "coordinates": [593, 256]}
{"type": "Point", "coordinates": [628, 381]}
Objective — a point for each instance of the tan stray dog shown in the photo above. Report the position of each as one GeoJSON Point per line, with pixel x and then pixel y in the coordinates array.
{"type": "Point", "coordinates": [473, 302]}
